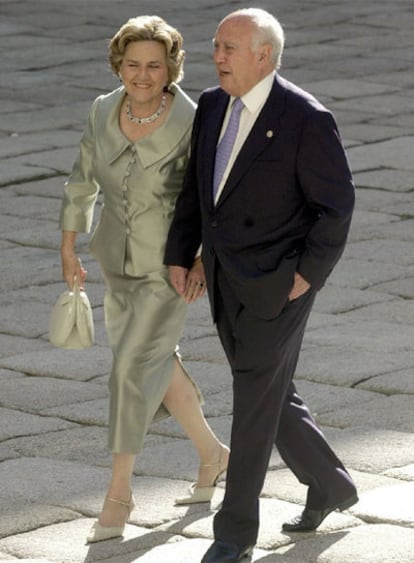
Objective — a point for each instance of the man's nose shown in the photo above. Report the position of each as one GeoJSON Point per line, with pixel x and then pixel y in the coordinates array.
{"type": "Point", "coordinates": [218, 55]}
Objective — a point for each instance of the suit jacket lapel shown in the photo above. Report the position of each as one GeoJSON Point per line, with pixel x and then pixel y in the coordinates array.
{"type": "Point", "coordinates": [262, 134]}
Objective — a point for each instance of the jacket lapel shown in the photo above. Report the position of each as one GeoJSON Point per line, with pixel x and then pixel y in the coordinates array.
{"type": "Point", "coordinates": [264, 132]}
{"type": "Point", "coordinates": [156, 146]}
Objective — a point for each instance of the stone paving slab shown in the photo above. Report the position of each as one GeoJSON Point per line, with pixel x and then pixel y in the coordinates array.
{"type": "Point", "coordinates": [61, 543]}
{"type": "Point", "coordinates": [13, 345]}
{"type": "Point", "coordinates": [65, 364]}
{"type": "Point", "coordinates": [15, 172]}
{"type": "Point", "coordinates": [392, 505]}
{"type": "Point", "coordinates": [388, 104]}
{"type": "Point", "coordinates": [396, 413]}
{"type": "Point", "coordinates": [211, 351]}
{"type": "Point", "coordinates": [42, 208]}
{"type": "Point", "coordinates": [83, 444]}
{"type": "Point", "coordinates": [403, 287]}
{"type": "Point", "coordinates": [42, 264]}
{"type": "Point", "coordinates": [16, 423]}
{"type": "Point", "coordinates": [364, 222]}
{"type": "Point", "coordinates": [348, 88]}
{"type": "Point", "coordinates": [59, 161]}
{"type": "Point", "coordinates": [400, 382]}
{"type": "Point", "coordinates": [370, 544]}
{"type": "Point", "coordinates": [48, 187]}
{"type": "Point", "coordinates": [15, 145]}
{"type": "Point", "coordinates": [333, 299]}
{"type": "Point", "coordinates": [385, 251]}
{"type": "Point", "coordinates": [324, 398]}
{"type": "Point", "coordinates": [372, 335]}
{"type": "Point", "coordinates": [95, 411]}
{"type": "Point", "coordinates": [403, 119]}
{"type": "Point", "coordinates": [363, 274]}
{"type": "Point", "coordinates": [395, 153]}
{"type": "Point", "coordinates": [348, 365]}
{"type": "Point", "coordinates": [398, 311]}
{"type": "Point", "coordinates": [12, 226]}
{"type": "Point", "coordinates": [371, 450]}
{"type": "Point", "coordinates": [19, 518]}
{"type": "Point", "coordinates": [403, 230]}
{"type": "Point", "coordinates": [380, 198]}
{"type": "Point", "coordinates": [405, 473]}
{"type": "Point", "coordinates": [50, 118]}
{"type": "Point", "coordinates": [35, 394]}
{"type": "Point", "coordinates": [321, 320]}
{"type": "Point", "coordinates": [282, 484]}
{"type": "Point", "coordinates": [391, 179]}
{"type": "Point", "coordinates": [40, 237]}
{"type": "Point", "coordinates": [29, 319]}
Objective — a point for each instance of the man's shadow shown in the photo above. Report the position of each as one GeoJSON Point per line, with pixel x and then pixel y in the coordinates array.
{"type": "Point", "coordinates": [301, 550]}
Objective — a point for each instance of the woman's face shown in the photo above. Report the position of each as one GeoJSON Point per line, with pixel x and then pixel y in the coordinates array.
{"type": "Point", "coordinates": [144, 71]}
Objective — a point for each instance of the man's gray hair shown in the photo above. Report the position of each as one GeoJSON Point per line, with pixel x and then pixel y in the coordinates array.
{"type": "Point", "coordinates": [269, 31]}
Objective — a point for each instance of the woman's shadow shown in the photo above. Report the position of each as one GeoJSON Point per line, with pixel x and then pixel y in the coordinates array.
{"type": "Point", "coordinates": [131, 550]}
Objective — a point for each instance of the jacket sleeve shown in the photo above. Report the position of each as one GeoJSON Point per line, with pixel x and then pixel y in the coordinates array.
{"type": "Point", "coordinates": [326, 181]}
{"type": "Point", "coordinates": [81, 190]}
{"type": "Point", "coordinates": [184, 237]}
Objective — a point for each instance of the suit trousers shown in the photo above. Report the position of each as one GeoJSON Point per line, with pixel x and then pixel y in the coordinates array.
{"type": "Point", "coordinates": [267, 410]}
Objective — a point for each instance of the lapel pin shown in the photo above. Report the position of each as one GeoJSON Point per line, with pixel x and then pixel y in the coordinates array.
{"type": "Point", "coordinates": [269, 134]}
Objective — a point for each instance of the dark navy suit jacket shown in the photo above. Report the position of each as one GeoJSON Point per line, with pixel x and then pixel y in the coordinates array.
{"type": "Point", "coordinates": [286, 205]}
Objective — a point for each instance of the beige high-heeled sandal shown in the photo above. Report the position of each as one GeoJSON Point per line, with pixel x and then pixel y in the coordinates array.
{"type": "Point", "coordinates": [204, 494]}
{"type": "Point", "coordinates": [101, 533]}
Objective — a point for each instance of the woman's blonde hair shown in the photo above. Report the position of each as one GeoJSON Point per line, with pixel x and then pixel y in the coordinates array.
{"type": "Point", "coordinates": [149, 28]}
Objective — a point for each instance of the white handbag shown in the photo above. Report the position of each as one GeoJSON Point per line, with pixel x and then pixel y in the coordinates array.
{"type": "Point", "coordinates": [71, 322]}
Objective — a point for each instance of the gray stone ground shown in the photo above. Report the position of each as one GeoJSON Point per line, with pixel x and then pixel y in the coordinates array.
{"type": "Point", "coordinates": [357, 365]}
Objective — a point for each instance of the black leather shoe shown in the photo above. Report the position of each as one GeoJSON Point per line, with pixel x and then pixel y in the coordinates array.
{"type": "Point", "coordinates": [311, 519]}
{"type": "Point", "coordinates": [223, 552]}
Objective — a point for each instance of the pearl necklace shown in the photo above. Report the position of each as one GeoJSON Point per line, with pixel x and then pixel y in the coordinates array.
{"type": "Point", "coordinates": [151, 118]}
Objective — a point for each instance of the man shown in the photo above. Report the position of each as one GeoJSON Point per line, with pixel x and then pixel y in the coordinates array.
{"type": "Point", "coordinates": [271, 234]}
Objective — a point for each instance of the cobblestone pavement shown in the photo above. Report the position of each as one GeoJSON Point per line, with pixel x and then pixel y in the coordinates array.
{"type": "Point", "coordinates": [356, 369]}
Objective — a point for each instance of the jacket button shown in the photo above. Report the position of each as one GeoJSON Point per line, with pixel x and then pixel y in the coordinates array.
{"type": "Point", "coordinates": [212, 251]}
{"type": "Point", "coordinates": [214, 224]}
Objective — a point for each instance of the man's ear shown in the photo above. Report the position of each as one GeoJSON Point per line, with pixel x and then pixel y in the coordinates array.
{"type": "Point", "coordinates": [265, 53]}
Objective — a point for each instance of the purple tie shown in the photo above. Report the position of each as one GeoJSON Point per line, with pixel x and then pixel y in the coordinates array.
{"type": "Point", "coordinates": [225, 146]}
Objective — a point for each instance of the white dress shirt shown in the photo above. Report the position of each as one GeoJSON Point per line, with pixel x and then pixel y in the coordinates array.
{"type": "Point", "coordinates": [253, 102]}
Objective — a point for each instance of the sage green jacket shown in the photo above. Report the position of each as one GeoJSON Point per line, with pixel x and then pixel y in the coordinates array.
{"type": "Point", "coordinates": [140, 182]}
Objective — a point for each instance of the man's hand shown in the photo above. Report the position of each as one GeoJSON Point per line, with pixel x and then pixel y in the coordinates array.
{"type": "Point", "coordinates": [300, 286]}
{"type": "Point", "coordinates": [196, 282]}
{"type": "Point", "coordinates": [191, 284]}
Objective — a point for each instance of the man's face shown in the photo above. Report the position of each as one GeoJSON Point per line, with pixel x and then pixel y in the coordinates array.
{"type": "Point", "coordinates": [239, 69]}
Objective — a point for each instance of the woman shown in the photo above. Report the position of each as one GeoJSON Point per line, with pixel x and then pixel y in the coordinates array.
{"type": "Point", "coordinates": [135, 150]}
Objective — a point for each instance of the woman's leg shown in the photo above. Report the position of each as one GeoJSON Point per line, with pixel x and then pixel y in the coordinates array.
{"type": "Point", "coordinates": [182, 402]}
{"type": "Point", "coordinates": [114, 514]}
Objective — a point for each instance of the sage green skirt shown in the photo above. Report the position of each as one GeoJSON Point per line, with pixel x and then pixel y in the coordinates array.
{"type": "Point", "coordinates": [144, 319]}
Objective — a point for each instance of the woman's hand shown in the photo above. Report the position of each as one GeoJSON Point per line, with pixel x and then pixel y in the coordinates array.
{"type": "Point", "coordinates": [196, 282]}
{"type": "Point", "coordinates": [71, 265]}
